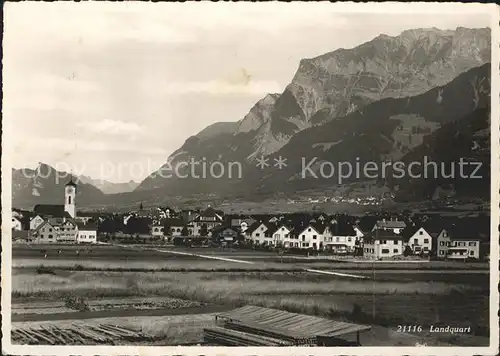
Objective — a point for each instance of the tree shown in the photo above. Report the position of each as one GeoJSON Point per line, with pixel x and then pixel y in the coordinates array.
{"type": "Point", "coordinates": [167, 228]}
{"type": "Point", "coordinates": [408, 251]}
{"type": "Point", "coordinates": [204, 230]}
{"type": "Point", "coordinates": [185, 231]}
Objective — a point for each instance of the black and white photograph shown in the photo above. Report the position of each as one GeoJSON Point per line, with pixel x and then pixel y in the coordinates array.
{"type": "Point", "coordinates": [255, 178]}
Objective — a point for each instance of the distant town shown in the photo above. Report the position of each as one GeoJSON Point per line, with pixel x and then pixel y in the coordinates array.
{"type": "Point", "coordinates": [373, 236]}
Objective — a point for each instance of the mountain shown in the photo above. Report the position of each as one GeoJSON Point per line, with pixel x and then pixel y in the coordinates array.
{"type": "Point", "coordinates": [45, 185]}
{"type": "Point", "coordinates": [388, 130]}
{"type": "Point", "coordinates": [109, 187]}
{"type": "Point", "coordinates": [467, 139]}
{"type": "Point", "coordinates": [216, 129]}
{"type": "Point", "coordinates": [335, 85]}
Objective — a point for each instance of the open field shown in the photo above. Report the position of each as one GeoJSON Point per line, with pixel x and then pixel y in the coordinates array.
{"type": "Point", "coordinates": [161, 282]}
{"type": "Point", "coordinates": [386, 303]}
{"type": "Point", "coordinates": [140, 258]}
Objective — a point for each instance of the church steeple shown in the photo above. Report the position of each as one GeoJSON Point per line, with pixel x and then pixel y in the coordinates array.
{"type": "Point", "coordinates": [69, 198]}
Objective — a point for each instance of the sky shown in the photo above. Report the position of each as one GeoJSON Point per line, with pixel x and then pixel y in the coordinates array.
{"type": "Point", "coordinates": [111, 89]}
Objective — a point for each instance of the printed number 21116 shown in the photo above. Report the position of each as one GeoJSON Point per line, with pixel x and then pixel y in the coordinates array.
{"type": "Point", "coordinates": [409, 328]}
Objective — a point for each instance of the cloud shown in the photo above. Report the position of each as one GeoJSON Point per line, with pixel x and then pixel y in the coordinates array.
{"type": "Point", "coordinates": [75, 145]}
{"type": "Point", "coordinates": [111, 127]}
{"type": "Point", "coordinates": [240, 82]}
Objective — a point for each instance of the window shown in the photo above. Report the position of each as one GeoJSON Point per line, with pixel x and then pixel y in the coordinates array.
{"type": "Point", "coordinates": [383, 242]}
{"type": "Point", "coordinates": [337, 239]}
{"type": "Point", "coordinates": [441, 252]}
{"type": "Point", "coordinates": [303, 237]}
{"type": "Point", "coordinates": [257, 234]}
{"type": "Point", "coordinates": [385, 250]}
{"type": "Point", "coordinates": [309, 229]}
{"type": "Point", "coordinates": [441, 243]}
{"type": "Point", "coordinates": [471, 253]}
{"type": "Point", "coordinates": [415, 241]}
{"type": "Point", "coordinates": [69, 199]}
{"type": "Point", "coordinates": [395, 250]}
{"type": "Point", "coordinates": [282, 229]}
{"type": "Point", "coordinates": [426, 241]}
{"type": "Point", "coordinates": [314, 237]}
{"type": "Point", "coordinates": [472, 243]}
{"type": "Point", "coordinates": [426, 248]}
{"type": "Point", "coordinates": [420, 232]}
{"type": "Point", "coordinates": [50, 236]}
{"type": "Point", "coordinates": [349, 239]}
{"type": "Point", "coordinates": [50, 230]}
{"type": "Point", "coordinates": [461, 244]}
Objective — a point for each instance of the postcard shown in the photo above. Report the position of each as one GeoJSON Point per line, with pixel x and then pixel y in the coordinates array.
{"type": "Point", "coordinates": [254, 178]}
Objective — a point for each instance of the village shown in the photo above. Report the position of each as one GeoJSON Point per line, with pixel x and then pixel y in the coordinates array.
{"type": "Point", "coordinates": [376, 236]}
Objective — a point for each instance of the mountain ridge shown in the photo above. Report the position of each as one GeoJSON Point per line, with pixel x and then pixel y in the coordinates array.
{"type": "Point", "coordinates": [340, 82]}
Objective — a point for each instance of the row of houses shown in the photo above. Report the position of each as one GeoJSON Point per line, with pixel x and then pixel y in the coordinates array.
{"type": "Point", "coordinates": [385, 239]}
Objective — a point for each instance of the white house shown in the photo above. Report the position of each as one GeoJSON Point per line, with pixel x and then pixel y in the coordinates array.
{"type": "Point", "coordinates": [420, 241]}
{"type": "Point", "coordinates": [67, 231]}
{"type": "Point", "coordinates": [157, 230]}
{"type": "Point", "coordinates": [45, 233]}
{"type": "Point", "coordinates": [87, 233]}
{"type": "Point", "coordinates": [16, 224]}
{"type": "Point", "coordinates": [396, 226]}
{"type": "Point", "coordinates": [257, 232]}
{"type": "Point", "coordinates": [35, 222]}
{"type": "Point", "coordinates": [280, 235]}
{"type": "Point", "coordinates": [311, 237]}
{"type": "Point", "coordinates": [457, 246]}
{"type": "Point", "coordinates": [340, 238]}
{"type": "Point", "coordinates": [382, 244]}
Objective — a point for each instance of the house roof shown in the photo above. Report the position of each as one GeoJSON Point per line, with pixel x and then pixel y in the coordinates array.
{"type": "Point", "coordinates": [390, 224]}
{"type": "Point", "coordinates": [55, 221]}
{"type": "Point", "coordinates": [255, 226]}
{"type": "Point", "coordinates": [465, 231]}
{"type": "Point", "coordinates": [342, 229]}
{"type": "Point", "coordinates": [86, 227]}
{"type": "Point", "coordinates": [20, 234]}
{"type": "Point", "coordinates": [53, 210]}
{"type": "Point", "coordinates": [71, 183]}
{"type": "Point", "coordinates": [382, 235]}
{"type": "Point", "coordinates": [222, 228]}
{"type": "Point", "coordinates": [172, 222]}
{"type": "Point", "coordinates": [318, 227]}
{"type": "Point", "coordinates": [410, 230]}
{"type": "Point", "coordinates": [366, 223]}
{"type": "Point", "coordinates": [271, 229]}
{"type": "Point", "coordinates": [45, 223]}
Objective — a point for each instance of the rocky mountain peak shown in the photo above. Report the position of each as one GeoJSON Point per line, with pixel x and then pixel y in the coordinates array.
{"type": "Point", "coordinates": [258, 115]}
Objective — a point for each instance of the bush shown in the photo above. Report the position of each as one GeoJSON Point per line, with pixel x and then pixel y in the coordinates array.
{"type": "Point", "coordinates": [45, 270]}
{"type": "Point", "coordinates": [76, 303]}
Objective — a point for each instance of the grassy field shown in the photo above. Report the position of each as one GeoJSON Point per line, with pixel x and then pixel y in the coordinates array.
{"type": "Point", "coordinates": [383, 302]}
{"type": "Point", "coordinates": [104, 257]}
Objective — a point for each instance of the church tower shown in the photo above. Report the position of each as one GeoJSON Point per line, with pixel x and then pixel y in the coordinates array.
{"type": "Point", "coordinates": [69, 198]}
